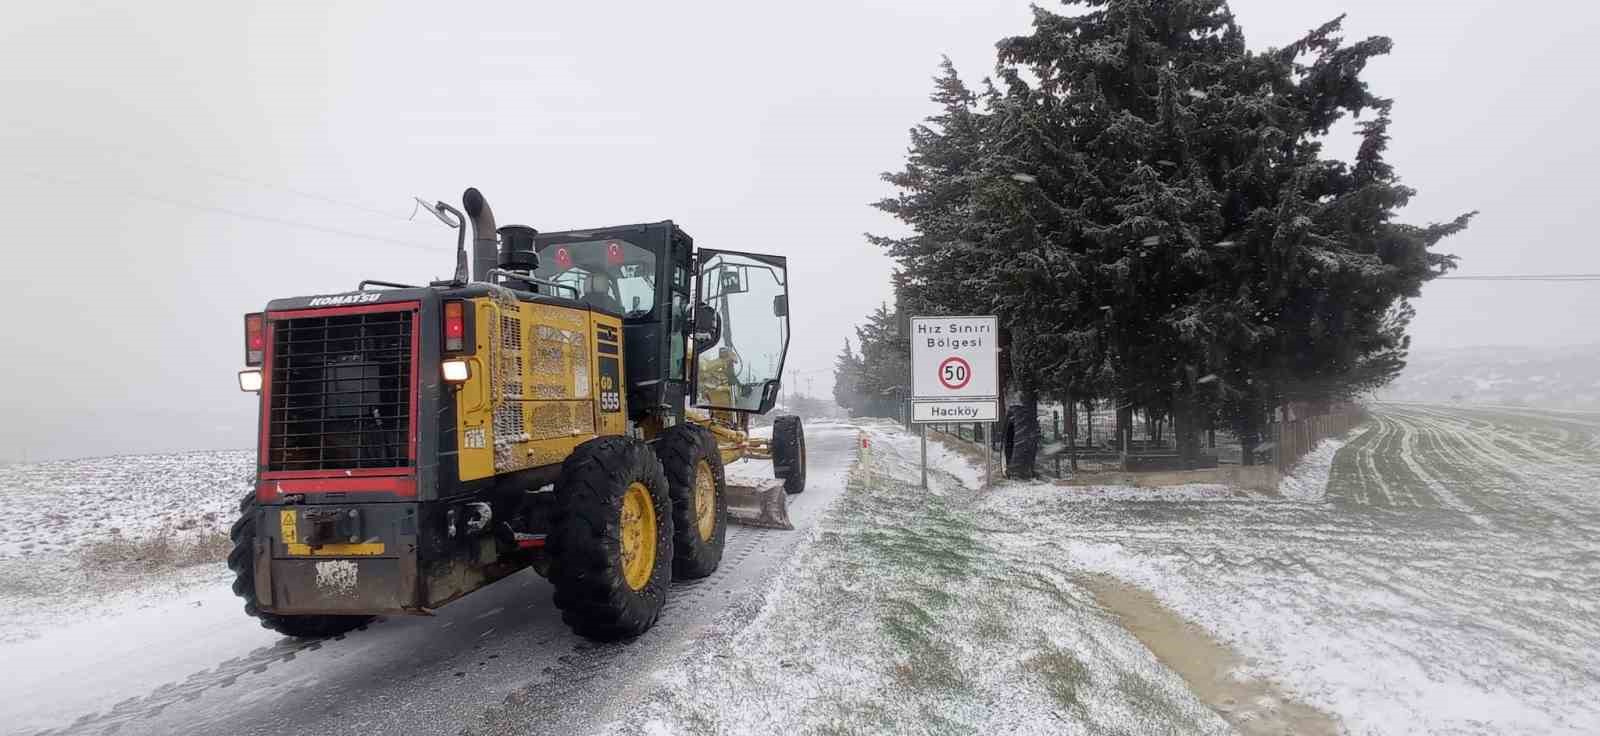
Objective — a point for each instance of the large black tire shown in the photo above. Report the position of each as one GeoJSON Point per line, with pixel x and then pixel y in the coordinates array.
{"type": "Point", "coordinates": [588, 539]}
{"type": "Point", "coordinates": [1022, 442]}
{"type": "Point", "coordinates": [241, 560]}
{"type": "Point", "coordinates": [693, 466]}
{"type": "Point", "coordinates": [789, 453]}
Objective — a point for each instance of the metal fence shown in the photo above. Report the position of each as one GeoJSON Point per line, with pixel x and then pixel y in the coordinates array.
{"type": "Point", "coordinates": [1296, 438]}
{"type": "Point", "coordinates": [1286, 442]}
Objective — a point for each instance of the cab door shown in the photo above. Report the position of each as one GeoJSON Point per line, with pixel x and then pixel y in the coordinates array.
{"type": "Point", "coordinates": [738, 366]}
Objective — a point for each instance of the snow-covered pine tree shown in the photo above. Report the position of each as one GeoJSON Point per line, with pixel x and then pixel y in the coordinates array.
{"type": "Point", "coordinates": [885, 364]}
{"type": "Point", "coordinates": [847, 371]}
{"type": "Point", "coordinates": [1144, 201]}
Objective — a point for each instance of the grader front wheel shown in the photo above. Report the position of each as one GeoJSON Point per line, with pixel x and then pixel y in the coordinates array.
{"type": "Point", "coordinates": [610, 542]}
{"type": "Point", "coordinates": [789, 453]}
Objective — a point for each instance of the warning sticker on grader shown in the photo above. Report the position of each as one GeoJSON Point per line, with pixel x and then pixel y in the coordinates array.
{"type": "Point", "coordinates": [286, 527]}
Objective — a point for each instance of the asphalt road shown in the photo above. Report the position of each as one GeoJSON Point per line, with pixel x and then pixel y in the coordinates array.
{"type": "Point", "coordinates": [498, 661]}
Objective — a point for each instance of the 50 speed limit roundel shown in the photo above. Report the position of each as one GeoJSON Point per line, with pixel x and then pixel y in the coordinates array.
{"type": "Point", "coordinates": [954, 373]}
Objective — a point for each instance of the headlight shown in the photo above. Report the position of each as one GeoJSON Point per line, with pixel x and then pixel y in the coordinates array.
{"type": "Point", "coordinates": [455, 371]}
{"type": "Point", "coordinates": [250, 380]}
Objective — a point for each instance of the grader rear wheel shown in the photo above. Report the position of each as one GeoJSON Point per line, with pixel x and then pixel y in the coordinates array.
{"type": "Point", "coordinates": [241, 560]}
{"type": "Point", "coordinates": [610, 542]}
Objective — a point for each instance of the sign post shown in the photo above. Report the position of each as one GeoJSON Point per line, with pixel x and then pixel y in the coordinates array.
{"type": "Point", "coordinates": [955, 376]}
{"type": "Point", "coordinates": [922, 430]}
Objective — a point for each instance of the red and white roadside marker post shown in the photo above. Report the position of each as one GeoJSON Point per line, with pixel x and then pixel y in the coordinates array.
{"type": "Point", "coordinates": [955, 377]}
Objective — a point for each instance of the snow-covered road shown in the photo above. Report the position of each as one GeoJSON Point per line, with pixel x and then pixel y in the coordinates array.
{"type": "Point", "coordinates": [497, 661]}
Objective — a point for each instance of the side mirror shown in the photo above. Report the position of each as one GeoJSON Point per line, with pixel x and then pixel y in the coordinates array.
{"type": "Point", "coordinates": [769, 396]}
{"type": "Point", "coordinates": [707, 327]}
{"type": "Point", "coordinates": [780, 305]}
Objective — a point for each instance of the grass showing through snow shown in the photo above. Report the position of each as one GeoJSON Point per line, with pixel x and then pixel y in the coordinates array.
{"type": "Point", "coordinates": [911, 612]}
{"type": "Point", "coordinates": [1448, 580]}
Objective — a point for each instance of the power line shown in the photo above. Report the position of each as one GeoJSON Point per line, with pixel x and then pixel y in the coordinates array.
{"type": "Point", "coordinates": [1528, 277]}
{"type": "Point", "coordinates": [174, 202]}
{"type": "Point", "coordinates": [219, 174]}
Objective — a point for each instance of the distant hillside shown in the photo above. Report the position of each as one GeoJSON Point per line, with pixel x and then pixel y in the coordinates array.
{"type": "Point", "coordinates": [1555, 378]}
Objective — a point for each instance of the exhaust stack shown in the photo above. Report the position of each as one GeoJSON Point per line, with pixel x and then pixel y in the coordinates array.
{"type": "Point", "coordinates": [485, 246]}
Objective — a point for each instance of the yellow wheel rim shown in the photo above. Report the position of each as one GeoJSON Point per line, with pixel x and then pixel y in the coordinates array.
{"type": "Point", "coordinates": [705, 500]}
{"type": "Point", "coordinates": [638, 535]}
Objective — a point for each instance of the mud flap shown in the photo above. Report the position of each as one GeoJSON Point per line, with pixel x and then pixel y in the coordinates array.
{"type": "Point", "coordinates": [765, 505]}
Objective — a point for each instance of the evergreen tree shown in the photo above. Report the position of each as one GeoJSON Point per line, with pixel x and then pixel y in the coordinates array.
{"type": "Point", "coordinates": [847, 370]}
{"type": "Point", "coordinates": [1144, 200]}
{"type": "Point", "coordinates": [885, 364]}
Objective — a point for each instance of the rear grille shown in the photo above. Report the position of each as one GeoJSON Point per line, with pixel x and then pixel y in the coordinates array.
{"type": "Point", "coordinates": [341, 392]}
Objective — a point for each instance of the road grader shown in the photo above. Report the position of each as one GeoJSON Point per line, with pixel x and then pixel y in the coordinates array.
{"type": "Point", "coordinates": [567, 404]}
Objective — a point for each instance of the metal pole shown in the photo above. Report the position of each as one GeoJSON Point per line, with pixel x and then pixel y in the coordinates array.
{"type": "Point", "coordinates": [924, 434]}
{"type": "Point", "coordinates": [988, 458]}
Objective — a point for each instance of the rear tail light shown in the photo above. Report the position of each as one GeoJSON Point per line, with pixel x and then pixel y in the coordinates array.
{"type": "Point", "coordinates": [455, 327]}
{"type": "Point", "coordinates": [255, 338]}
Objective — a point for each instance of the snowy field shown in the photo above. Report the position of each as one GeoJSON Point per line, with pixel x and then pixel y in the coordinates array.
{"type": "Point", "coordinates": [1439, 572]}
{"type": "Point", "coordinates": [1445, 580]}
{"type": "Point", "coordinates": [60, 521]}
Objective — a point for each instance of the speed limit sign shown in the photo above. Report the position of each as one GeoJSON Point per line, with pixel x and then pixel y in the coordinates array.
{"type": "Point", "coordinates": [955, 360]}
{"type": "Point", "coordinates": [955, 373]}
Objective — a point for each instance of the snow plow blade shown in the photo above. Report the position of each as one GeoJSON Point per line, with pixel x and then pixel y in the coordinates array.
{"type": "Point", "coordinates": [765, 505]}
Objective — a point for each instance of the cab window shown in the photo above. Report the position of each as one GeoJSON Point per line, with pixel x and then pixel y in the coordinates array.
{"type": "Point", "coordinates": [612, 274]}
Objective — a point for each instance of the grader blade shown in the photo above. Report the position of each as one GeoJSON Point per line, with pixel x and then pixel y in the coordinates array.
{"type": "Point", "coordinates": [764, 505]}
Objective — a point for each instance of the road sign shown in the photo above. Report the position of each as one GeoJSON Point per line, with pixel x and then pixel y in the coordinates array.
{"type": "Point", "coordinates": [953, 412]}
{"type": "Point", "coordinates": [955, 376]}
{"type": "Point", "coordinates": [955, 358]}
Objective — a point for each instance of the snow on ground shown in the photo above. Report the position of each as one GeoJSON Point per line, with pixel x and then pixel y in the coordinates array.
{"type": "Point", "coordinates": [1436, 572]}
{"type": "Point", "coordinates": [1308, 479]}
{"type": "Point", "coordinates": [1440, 573]}
{"type": "Point", "coordinates": [163, 632]}
{"type": "Point", "coordinates": [909, 612]}
{"type": "Point", "coordinates": [52, 507]}
{"type": "Point", "coordinates": [60, 521]}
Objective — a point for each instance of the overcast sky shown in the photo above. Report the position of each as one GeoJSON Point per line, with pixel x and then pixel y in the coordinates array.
{"type": "Point", "coordinates": [169, 166]}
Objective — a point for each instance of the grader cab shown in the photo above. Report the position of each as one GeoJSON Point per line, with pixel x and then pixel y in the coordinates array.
{"type": "Point", "coordinates": [568, 407]}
